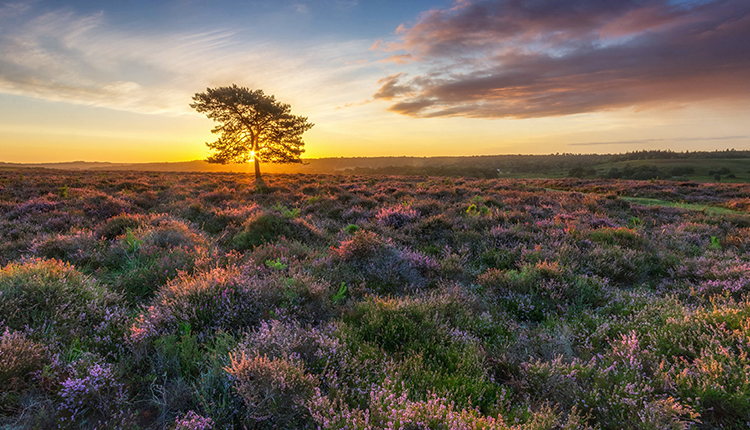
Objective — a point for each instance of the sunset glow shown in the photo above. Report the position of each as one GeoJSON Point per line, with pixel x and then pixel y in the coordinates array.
{"type": "Point", "coordinates": [101, 81]}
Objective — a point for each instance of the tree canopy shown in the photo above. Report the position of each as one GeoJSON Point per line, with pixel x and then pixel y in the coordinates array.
{"type": "Point", "coordinates": [252, 127]}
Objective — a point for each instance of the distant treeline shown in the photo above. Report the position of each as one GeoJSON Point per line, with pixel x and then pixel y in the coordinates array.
{"type": "Point", "coordinates": [484, 166]}
{"type": "Point", "coordinates": [488, 166]}
{"type": "Point", "coordinates": [575, 165]}
{"type": "Point", "coordinates": [671, 155]}
{"type": "Point", "coordinates": [643, 172]}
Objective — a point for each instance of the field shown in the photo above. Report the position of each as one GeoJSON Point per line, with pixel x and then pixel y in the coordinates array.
{"type": "Point", "coordinates": [200, 300]}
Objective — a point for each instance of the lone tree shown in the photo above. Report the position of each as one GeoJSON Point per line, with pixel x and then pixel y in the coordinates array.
{"type": "Point", "coordinates": [252, 127]}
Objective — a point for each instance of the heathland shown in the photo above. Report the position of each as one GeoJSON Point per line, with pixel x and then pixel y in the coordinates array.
{"type": "Point", "coordinates": [203, 300]}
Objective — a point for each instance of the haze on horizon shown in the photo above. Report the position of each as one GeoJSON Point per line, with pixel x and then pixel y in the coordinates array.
{"type": "Point", "coordinates": [111, 81]}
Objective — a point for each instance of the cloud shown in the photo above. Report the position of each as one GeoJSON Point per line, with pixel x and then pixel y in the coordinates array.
{"type": "Point", "coordinates": [64, 56]}
{"type": "Point", "coordinates": [511, 58]}
{"type": "Point", "coordinates": [390, 89]}
{"type": "Point", "coordinates": [12, 10]}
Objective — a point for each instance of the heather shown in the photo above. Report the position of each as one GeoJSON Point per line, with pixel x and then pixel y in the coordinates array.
{"type": "Point", "coordinates": [207, 301]}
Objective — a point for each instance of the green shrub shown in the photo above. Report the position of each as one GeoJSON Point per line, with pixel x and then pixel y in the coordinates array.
{"type": "Point", "coordinates": [206, 302]}
{"type": "Point", "coordinates": [143, 260]}
{"type": "Point", "coordinates": [118, 225]}
{"type": "Point", "coordinates": [80, 248]}
{"type": "Point", "coordinates": [269, 226]}
{"type": "Point", "coordinates": [434, 342]}
{"type": "Point", "coordinates": [622, 236]}
{"type": "Point", "coordinates": [56, 301]}
{"type": "Point", "coordinates": [547, 284]}
{"type": "Point", "coordinates": [391, 407]}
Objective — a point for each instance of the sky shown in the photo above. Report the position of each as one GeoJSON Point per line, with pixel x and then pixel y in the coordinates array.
{"type": "Point", "coordinates": [112, 80]}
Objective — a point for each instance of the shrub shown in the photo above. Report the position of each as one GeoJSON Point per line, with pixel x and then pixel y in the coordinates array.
{"type": "Point", "coordinates": [231, 299]}
{"type": "Point", "coordinates": [143, 260]}
{"type": "Point", "coordinates": [396, 216]}
{"type": "Point", "coordinates": [207, 302]}
{"type": "Point", "coordinates": [269, 226]}
{"type": "Point", "coordinates": [366, 258]}
{"type": "Point", "coordinates": [215, 220]}
{"type": "Point", "coordinates": [101, 206]}
{"type": "Point", "coordinates": [435, 231]}
{"type": "Point", "coordinates": [119, 224]}
{"type": "Point", "coordinates": [276, 339]}
{"type": "Point", "coordinates": [20, 358]}
{"type": "Point", "coordinates": [622, 265]}
{"type": "Point", "coordinates": [434, 343]}
{"type": "Point", "coordinates": [548, 284]}
{"type": "Point", "coordinates": [80, 248]}
{"type": "Point", "coordinates": [275, 390]}
{"type": "Point", "coordinates": [93, 398]}
{"type": "Point", "coordinates": [54, 300]}
{"type": "Point", "coordinates": [622, 386]}
{"type": "Point", "coordinates": [621, 236]}
{"type": "Point", "coordinates": [170, 233]}
{"type": "Point", "coordinates": [389, 409]}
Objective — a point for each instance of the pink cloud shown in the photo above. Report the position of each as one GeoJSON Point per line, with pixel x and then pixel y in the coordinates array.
{"type": "Point", "coordinates": [514, 58]}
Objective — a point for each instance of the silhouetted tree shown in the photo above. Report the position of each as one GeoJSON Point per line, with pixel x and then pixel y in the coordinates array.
{"type": "Point", "coordinates": [252, 127]}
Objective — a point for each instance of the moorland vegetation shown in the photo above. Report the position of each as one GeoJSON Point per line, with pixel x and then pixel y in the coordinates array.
{"type": "Point", "coordinates": [199, 301]}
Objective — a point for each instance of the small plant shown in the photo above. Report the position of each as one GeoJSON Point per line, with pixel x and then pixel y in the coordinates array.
{"type": "Point", "coordinates": [276, 264]}
{"type": "Point", "coordinates": [340, 294]}
{"type": "Point", "coordinates": [288, 213]}
{"type": "Point", "coordinates": [132, 244]}
{"type": "Point", "coordinates": [351, 228]}
{"type": "Point", "coordinates": [715, 242]}
{"type": "Point", "coordinates": [475, 210]}
{"type": "Point", "coordinates": [63, 191]}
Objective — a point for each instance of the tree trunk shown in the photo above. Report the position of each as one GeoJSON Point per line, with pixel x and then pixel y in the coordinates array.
{"type": "Point", "coordinates": [257, 169]}
{"type": "Point", "coordinates": [257, 162]}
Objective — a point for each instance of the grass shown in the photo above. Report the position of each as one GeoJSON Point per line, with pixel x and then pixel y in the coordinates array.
{"type": "Point", "coordinates": [713, 210]}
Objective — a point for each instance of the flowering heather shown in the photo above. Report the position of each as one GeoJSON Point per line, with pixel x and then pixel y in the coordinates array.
{"type": "Point", "coordinates": [379, 265]}
{"type": "Point", "coordinates": [54, 301]}
{"type": "Point", "coordinates": [396, 216]}
{"type": "Point", "coordinates": [276, 339]}
{"type": "Point", "coordinates": [219, 299]}
{"type": "Point", "coordinates": [193, 421]}
{"type": "Point", "coordinates": [275, 390]}
{"type": "Point", "coordinates": [20, 359]}
{"type": "Point", "coordinates": [93, 398]}
{"type": "Point", "coordinates": [391, 411]}
{"type": "Point", "coordinates": [195, 301]}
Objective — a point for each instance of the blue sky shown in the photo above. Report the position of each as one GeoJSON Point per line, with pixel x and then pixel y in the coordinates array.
{"type": "Point", "coordinates": [111, 81]}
